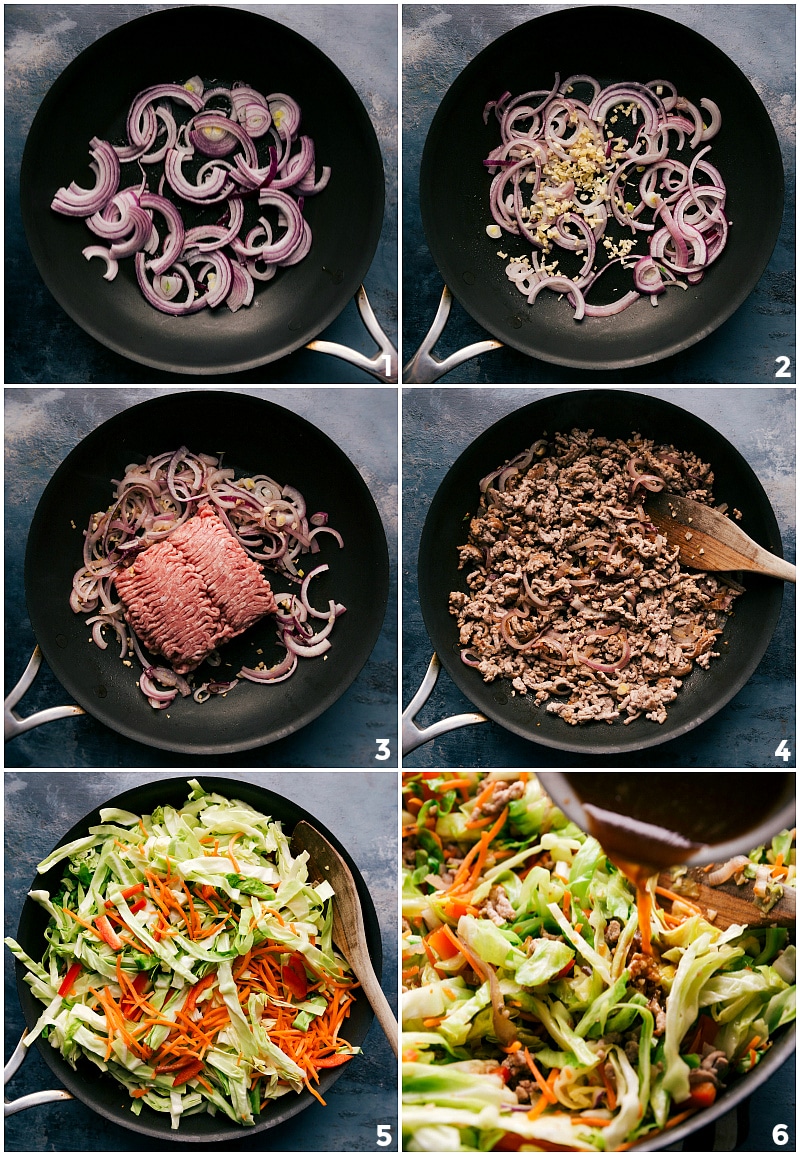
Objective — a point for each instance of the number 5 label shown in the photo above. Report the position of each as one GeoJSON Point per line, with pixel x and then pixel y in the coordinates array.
{"type": "Point", "coordinates": [384, 1135]}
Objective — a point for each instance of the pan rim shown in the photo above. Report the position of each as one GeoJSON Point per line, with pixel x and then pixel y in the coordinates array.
{"type": "Point", "coordinates": [178, 785]}
{"type": "Point", "coordinates": [485, 702]}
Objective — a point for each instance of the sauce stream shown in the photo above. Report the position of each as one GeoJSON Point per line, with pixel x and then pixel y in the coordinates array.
{"type": "Point", "coordinates": [647, 823]}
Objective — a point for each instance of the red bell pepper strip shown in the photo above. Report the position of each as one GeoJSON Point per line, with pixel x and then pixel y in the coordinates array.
{"type": "Point", "coordinates": [188, 1073]}
{"type": "Point", "coordinates": [107, 932]}
{"type": "Point", "coordinates": [69, 979]}
{"type": "Point", "coordinates": [293, 974]}
{"type": "Point", "coordinates": [194, 992]}
{"type": "Point", "coordinates": [139, 905]}
{"type": "Point", "coordinates": [333, 1061]}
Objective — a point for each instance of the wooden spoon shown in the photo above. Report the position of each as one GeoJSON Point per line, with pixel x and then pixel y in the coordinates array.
{"type": "Point", "coordinates": [731, 903]}
{"type": "Point", "coordinates": [708, 540]}
{"type": "Point", "coordinates": [349, 935]}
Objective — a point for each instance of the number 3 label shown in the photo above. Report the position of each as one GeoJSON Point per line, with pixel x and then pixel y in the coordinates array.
{"type": "Point", "coordinates": [383, 752]}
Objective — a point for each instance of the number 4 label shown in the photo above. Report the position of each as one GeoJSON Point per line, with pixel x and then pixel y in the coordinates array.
{"type": "Point", "coordinates": [782, 751]}
{"type": "Point", "coordinates": [384, 1135]}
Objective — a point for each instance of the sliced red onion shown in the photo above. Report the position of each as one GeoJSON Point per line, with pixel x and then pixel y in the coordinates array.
{"type": "Point", "coordinates": [155, 136]}
{"type": "Point", "coordinates": [75, 201]}
{"type": "Point", "coordinates": [594, 187]}
{"type": "Point", "coordinates": [112, 265]}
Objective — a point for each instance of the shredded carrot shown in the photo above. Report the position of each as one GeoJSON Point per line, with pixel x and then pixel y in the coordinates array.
{"type": "Point", "coordinates": [592, 1121]}
{"type": "Point", "coordinates": [514, 1046]}
{"type": "Point", "coordinates": [539, 1078]}
{"type": "Point", "coordinates": [611, 1095]}
{"type": "Point", "coordinates": [233, 839]}
{"type": "Point", "coordinates": [454, 785]}
{"type": "Point", "coordinates": [538, 1108]}
{"type": "Point", "coordinates": [675, 1120]}
{"type": "Point", "coordinates": [314, 1092]}
{"type": "Point", "coordinates": [474, 824]}
{"type": "Point", "coordinates": [484, 794]}
{"type": "Point", "coordinates": [485, 841]}
{"type": "Point", "coordinates": [665, 893]}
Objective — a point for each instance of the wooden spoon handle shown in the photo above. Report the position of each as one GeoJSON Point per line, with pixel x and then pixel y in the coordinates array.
{"type": "Point", "coordinates": [380, 1004]}
{"type": "Point", "coordinates": [349, 937]}
{"type": "Point", "coordinates": [733, 904]}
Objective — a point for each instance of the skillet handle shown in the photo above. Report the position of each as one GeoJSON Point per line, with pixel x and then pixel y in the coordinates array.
{"type": "Point", "coordinates": [14, 725]}
{"type": "Point", "coordinates": [414, 736]}
{"type": "Point", "coordinates": [383, 364]}
{"type": "Point", "coordinates": [425, 367]}
{"type": "Point", "coordinates": [34, 1098]}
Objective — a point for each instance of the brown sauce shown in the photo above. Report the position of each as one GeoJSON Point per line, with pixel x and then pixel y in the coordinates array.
{"type": "Point", "coordinates": [647, 823]}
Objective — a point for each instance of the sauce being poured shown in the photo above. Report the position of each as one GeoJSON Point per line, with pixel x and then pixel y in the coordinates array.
{"type": "Point", "coordinates": [646, 823]}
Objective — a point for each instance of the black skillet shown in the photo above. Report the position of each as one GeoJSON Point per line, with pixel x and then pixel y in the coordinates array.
{"type": "Point", "coordinates": [103, 1094]}
{"type": "Point", "coordinates": [614, 414]}
{"type": "Point", "coordinates": [613, 44]}
{"type": "Point", "coordinates": [255, 436]}
{"type": "Point", "coordinates": [91, 98]}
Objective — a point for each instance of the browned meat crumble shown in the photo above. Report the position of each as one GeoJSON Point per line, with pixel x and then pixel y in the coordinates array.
{"type": "Point", "coordinates": [572, 593]}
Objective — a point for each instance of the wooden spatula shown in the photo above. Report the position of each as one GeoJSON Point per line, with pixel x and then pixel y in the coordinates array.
{"type": "Point", "coordinates": [325, 862]}
{"type": "Point", "coordinates": [732, 903]}
{"type": "Point", "coordinates": [708, 540]}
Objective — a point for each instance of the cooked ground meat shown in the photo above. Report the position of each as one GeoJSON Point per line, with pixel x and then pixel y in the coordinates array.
{"type": "Point", "coordinates": [571, 592]}
{"type": "Point", "coordinates": [502, 794]}
{"type": "Point", "coordinates": [186, 595]}
{"type": "Point", "coordinates": [496, 907]}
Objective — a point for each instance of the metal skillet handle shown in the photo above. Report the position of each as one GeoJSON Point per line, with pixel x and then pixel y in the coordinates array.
{"type": "Point", "coordinates": [414, 736]}
{"type": "Point", "coordinates": [383, 364]}
{"type": "Point", "coordinates": [34, 1098]}
{"type": "Point", "coordinates": [425, 367]}
{"type": "Point", "coordinates": [12, 723]}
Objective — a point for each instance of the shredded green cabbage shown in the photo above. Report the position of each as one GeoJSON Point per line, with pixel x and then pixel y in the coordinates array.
{"type": "Point", "coordinates": [190, 958]}
{"type": "Point", "coordinates": [608, 1044]}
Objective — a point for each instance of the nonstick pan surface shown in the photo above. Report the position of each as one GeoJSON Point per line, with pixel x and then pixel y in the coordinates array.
{"type": "Point", "coordinates": [614, 414]}
{"type": "Point", "coordinates": [614, 44]}
{"type": "Point", "coordinates": [103, 1094]}
{"type": "Point", "coordinates": [255, 436]}
{"type": "Point", "coordinates": [92, 97]}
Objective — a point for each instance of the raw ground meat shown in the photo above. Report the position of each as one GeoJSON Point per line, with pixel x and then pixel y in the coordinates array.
{"type": "Point", "coordinates": [185, 596]}
{"type": "Point", "coordinates": [572, 594]}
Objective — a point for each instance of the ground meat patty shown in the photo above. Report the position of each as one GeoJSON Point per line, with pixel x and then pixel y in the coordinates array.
{"type": "Point", "coordinates": [572, 594]}
{"type": "Point", "coordinates": [186, 595]}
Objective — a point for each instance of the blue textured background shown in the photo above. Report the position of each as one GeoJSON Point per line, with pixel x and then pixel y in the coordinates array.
{"type": "Point", "coordinates": [43, 344]}
{"type": "Point", "coordinates": [439, 40]}
{"type": "Point", "coordinates": [40, 809]}
{"type": "Point", "coordinates": [438, 423]}
{"type": "Point", "coordinates": [41, 427]}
